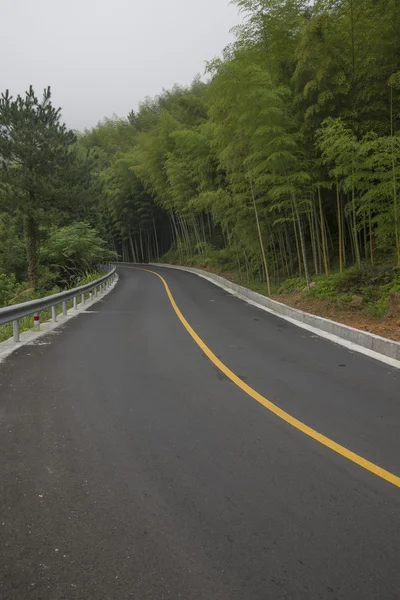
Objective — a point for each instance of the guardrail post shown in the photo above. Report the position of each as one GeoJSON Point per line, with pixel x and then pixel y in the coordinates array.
{"type": "Point", "coordinates": [15, 313]}
{"type": "Point", "coordinates": [16, 330]}
{"type": "Point", "coordinates": [90, 295]}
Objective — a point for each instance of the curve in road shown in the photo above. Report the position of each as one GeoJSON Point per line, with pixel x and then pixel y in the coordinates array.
{"type": "Point", "coordinates": [322, 439]}
{"type": "Point", "coordinates": [133, 467]}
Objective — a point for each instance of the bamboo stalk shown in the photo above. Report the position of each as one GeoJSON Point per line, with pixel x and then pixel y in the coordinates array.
{"type": "Point", "coordinates": [322, 225]}
{"type": "Point", "coordinates": [396, 212]}
{"type": "Point", "coordinates": [260, 239]}
{"type": "Point", "coordinates": [339, 213]}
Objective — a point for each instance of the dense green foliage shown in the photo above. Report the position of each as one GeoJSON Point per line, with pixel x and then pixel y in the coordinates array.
{"type": "Point", "coordinates": [45, 193]}
{"type": "Point", "coordinates": [12, 292]}
{"type": "Point", "coordinates": [285, 164]}
{"type": "Point", "coordinates": [372, 290]}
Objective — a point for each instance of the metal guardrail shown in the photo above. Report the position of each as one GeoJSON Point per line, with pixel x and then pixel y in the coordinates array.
{"type": "Point", "coordinates": [34, 307]}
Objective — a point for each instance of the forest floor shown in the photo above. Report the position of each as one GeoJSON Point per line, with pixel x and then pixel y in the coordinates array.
{"type": "Point", "coordinates": [387, 326]}
{"type": "Point", "coordinates": [349, 298]}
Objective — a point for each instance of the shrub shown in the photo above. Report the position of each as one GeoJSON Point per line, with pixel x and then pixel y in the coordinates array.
{"type": "Point", "coordinates": [8, 288]}
{"type": "Point", "coordinates": [74, 249]}
{"type": "Point", "coordinates": [291, 286]}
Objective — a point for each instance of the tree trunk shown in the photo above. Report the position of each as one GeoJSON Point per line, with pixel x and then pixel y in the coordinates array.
{"type": "Point", "coordinates": [365, 237]}
{"type": "Point", "coordinates": [185, 235]}
{"type": "Point", "coordinates": [339, 213]}
{"type": "Point", "coordinates": [32, 247]}
{"type": "Point", "coordinates": [203, 229]}
{"type": "Point", "coordinates": [260, 239]}
{"type": "Point", "coordinates": [323, 237]}
{"type": "Point", "coordinates": [394, 180]}
{"type": "Point", "coordinates": [196, 231]}
{"type": "Point", "coordinates": [178, 239]}
{"type": "Point", "coordinates": [289, 249]}
{"type": "Point", "coordinates": [136, 250]}
{"type": "Point", "coordinates": [132, 248]}
{"type": "Point", "coordinates": [239, 265]}
{"type": "Point", "coordinates": [297, 245]}
{"type": "Point", "coordinates": [313, 244]}
{"type": "Point", "coordinates": [355, 233]}
{"type": "Point", "coordinates": [371, 245]}
{"type": "Point", "coordinates": [302, 241]}
{"type": "Point", "coordinates": [141, 244]}
{"type": "Point", "coordinates": [283, 253]}
{"type": "Point", "coordinates": [343, 221]}
{"type": "Point", "coordinates": [156, 240]}
{"type": "Point", "coordinates": [318, 238]}
{"type": "Point", "coordinates": [350, 228]}
{"type": "Point", "coordinates": [247, 266]}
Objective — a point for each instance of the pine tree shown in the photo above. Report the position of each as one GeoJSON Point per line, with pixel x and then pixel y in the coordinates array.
{"type": "Point", "coordinates": [37, 163]}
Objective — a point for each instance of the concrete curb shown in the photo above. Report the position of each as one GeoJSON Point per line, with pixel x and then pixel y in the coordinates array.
{"type": "Point", "coordinates": [32, 337]}
{"type": "Point", "coordinates": [370, 344]}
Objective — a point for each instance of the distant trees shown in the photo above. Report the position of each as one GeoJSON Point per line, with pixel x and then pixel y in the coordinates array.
{"type": "Point", "coordinates": [37, 163]}
{"type": "Point", "coordinates": [73, 250]}
{"type": "Point", "coordinates": [45, 181]}
{"type": "Point", "coordinates": [285, 163]}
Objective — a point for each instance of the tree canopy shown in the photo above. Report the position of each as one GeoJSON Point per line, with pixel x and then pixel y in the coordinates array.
{"type": "Point", "coordinates": [285, 162]}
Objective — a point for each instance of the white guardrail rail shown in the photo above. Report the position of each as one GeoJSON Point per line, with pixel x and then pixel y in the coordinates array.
{"type": "Point", "coordinates": [34, 307]}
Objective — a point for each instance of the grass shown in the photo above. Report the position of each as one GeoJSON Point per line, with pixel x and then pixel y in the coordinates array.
{"type": "Point", "coordinates": [26, 323]}
{"type": "Point", "coordinates": [370, 286]}
{"type": "Point", "coordinates": [373, 285]}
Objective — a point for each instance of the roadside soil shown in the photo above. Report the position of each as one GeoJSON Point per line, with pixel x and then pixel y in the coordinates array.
{"type": "Point", "coordinates": [354, 316]}
{"type": "Point", "coordinates": [388, 326]}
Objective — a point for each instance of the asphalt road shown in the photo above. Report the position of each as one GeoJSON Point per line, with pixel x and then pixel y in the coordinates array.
{"type": "Point", "coordinates": [131, 467]}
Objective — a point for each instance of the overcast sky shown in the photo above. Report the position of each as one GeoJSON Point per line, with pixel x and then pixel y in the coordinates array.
{"type": "Point", "coordinates": [104, 56]}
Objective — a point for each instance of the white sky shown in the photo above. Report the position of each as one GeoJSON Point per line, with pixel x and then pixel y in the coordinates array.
{"type": "Point", "coordinates": [102, 57]}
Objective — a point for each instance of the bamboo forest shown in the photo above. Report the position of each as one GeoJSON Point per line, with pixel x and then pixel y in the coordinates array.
{"type": "Point", "coordinates": [280, 166]}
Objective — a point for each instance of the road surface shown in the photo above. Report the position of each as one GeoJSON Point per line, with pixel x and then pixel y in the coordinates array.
{"type": "Point", "coordinates": [133, 467]}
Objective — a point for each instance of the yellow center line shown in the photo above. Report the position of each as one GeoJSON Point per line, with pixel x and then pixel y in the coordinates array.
{"type": "Point", "coordinates": [282, 414]}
